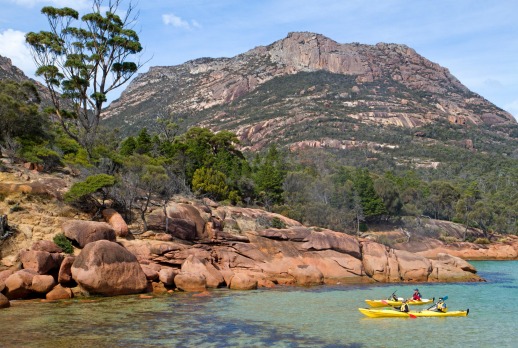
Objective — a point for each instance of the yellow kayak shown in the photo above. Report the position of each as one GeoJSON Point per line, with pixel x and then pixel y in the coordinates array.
{"type": "Point", "coordinates": [394, 313]}
{"type": "Point", "coordinates": [393, 303]}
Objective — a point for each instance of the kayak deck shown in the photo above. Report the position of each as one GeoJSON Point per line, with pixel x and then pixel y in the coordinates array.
{"type": "Point", "coordinates": [392, 303]}
{"type": "Point", "coordinates": [392, 313]}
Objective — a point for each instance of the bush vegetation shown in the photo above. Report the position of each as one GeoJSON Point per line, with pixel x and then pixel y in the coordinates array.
{"type": "Point", "coordinates": [64, 243]}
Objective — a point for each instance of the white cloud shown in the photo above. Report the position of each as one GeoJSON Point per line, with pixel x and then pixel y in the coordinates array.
{"type": "Point", "coordinates": [12, 45]}
{"type": "Point", "coordinates": [178, 22]}
{"type": "Point", "coordinates": [195, 23]}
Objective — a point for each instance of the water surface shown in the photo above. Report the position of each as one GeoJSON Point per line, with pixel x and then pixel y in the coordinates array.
{"type": "Point", "coordinates": [282, 317]}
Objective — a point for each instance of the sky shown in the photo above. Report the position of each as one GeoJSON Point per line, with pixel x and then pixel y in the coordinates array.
{"type": "Point", "coordinates": [477, 40]}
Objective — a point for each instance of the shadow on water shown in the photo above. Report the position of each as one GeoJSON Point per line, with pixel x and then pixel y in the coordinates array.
{"type": "Point", "coordinates": [170, 321]}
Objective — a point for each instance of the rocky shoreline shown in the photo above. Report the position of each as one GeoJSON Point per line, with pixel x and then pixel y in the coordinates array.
{"type": "Point", "coordinates": [198, 247]}
{"type": "Point", "coordinates": [194, 246]}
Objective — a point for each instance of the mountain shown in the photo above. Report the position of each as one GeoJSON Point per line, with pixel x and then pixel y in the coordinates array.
{"type": "Point", "coordinates": [306, 90]}
{"type": "Point", "coordinates": [10, 72]}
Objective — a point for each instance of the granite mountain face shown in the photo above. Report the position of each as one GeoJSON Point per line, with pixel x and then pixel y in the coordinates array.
{"type": "Point", "coordinates": [8, 71]}
{"type": "Point", "coordinates": [304, 90]}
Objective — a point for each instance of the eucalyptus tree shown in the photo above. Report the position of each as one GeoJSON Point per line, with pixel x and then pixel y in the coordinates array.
{"type": "Point", "coordinates": [82, 59]}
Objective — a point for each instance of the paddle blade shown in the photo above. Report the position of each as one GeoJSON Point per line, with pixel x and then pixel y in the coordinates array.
{"type": "Point", "coordinates": [412, 316]}
{"type": "Point", "coordinates": [445, 298]}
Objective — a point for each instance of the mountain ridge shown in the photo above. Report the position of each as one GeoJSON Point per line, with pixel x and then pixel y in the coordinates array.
{"type": "Point", "coordinates": [389, 84]}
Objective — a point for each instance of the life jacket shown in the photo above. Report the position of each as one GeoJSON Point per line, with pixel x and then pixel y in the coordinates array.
{"type": "Point", "coordinates": [404, 307]}
{"type": "Point", "coordinates": [441, 307]}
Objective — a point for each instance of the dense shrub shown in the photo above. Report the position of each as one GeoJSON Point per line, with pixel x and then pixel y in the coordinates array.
{"type": "Point", "coordinates": [91, 185]}
{"type": "Point", "coordinates": [64, 243]}
{"type": "Point", "coordinates": [481, 241]}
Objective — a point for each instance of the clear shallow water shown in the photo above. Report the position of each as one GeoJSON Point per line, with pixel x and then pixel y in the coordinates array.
{"type": "Point", "coordinates": [288, 317]}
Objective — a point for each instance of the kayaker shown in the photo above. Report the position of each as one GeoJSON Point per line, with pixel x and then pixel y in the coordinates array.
{"type": "Point", "coordinates": [440, 306]}
{"type": "Point", "coordinates": [392, 297]}
{"type": "Point", "coordinates": [417, 295]}
{"type": "Point", "coordinates": [404, 307]}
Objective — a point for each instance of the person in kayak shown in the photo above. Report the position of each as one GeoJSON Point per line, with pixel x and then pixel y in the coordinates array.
{"type": "Point", "coordinates": [440, 306]}
{"type": "Point", "coordinates": [417, 295]}
{"type": "Point", "coordinates": [404, 307]}
{"type": "Point", "coordinates": [393, 297]}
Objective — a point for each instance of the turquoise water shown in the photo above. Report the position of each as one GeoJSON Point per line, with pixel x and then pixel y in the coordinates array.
{"type": "Point", "coordinates": [284, 317]}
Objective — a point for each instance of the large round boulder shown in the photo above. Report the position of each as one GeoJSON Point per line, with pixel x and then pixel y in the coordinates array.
{"type": "Point", "coordinates": [106, 268]}
{"type": "Point", "coordinates": [242, 281]}
{"type": "Point", "coordinates": [84, 232]}
{"type": "Point", "coordinates": [41, 262]}
{"type": "Point", "coordinates": [190, 281]}
{"type": "Point", "coordinates": [59, 293]}
{"type": "Point", "coordinates": [166, 276]}
{"type": "Point", "coordinates": [18, 285]}
{"type": "Point", "coordinates": [3, 276]}
{"type": "Point", "coordinates": [46, 245]}
{"type": "Point", "coordinates": [42, 283]}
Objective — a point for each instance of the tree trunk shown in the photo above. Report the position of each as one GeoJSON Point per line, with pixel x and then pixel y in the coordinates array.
{"type": "Point", "coordinates": [4, 227]}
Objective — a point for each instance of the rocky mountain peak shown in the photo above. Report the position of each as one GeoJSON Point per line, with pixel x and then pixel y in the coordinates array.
{"type": "Point", "coordinates": [9, 71]}
{"type": "Point", "coordinates": [382, 84]}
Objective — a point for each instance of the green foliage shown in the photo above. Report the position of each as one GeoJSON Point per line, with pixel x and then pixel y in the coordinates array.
{"type": "Point", "coordinates": [79, 158]}
{"type": "Point", "coordinates": [482, 241]}
{"type": "Point", "coordinates": [269, 176]}
{"type": "Point", "coordinates": [64, 243]}
{"type": "Point", "coordinates": [39, 153]}
{"type": "Point", "coordinates": [91, 185]}
{"type": "Point", "coordinates": [19, 115]}
{"type": "Point", "coordinates": [210, 182]}
{"type": "Point", "coordinates": [128, 146]}
{"type": "Point", "coordinates": [82, 59]}
{"type": "Point", "coordinates": [371, 202]}
{"type": "Point", "coordinates": [143, 144]}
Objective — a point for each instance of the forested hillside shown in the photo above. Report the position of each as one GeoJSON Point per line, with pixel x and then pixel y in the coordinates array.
{"type": "Point", "coordinates": [347, 140]}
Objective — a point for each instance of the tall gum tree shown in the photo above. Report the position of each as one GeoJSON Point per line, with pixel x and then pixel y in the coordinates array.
{"type": "Point", "coordinates": [82, 59]}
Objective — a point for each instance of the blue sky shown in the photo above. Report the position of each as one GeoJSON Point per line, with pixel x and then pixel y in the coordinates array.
{"type": "Point", "coordinates": [477, 40]}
